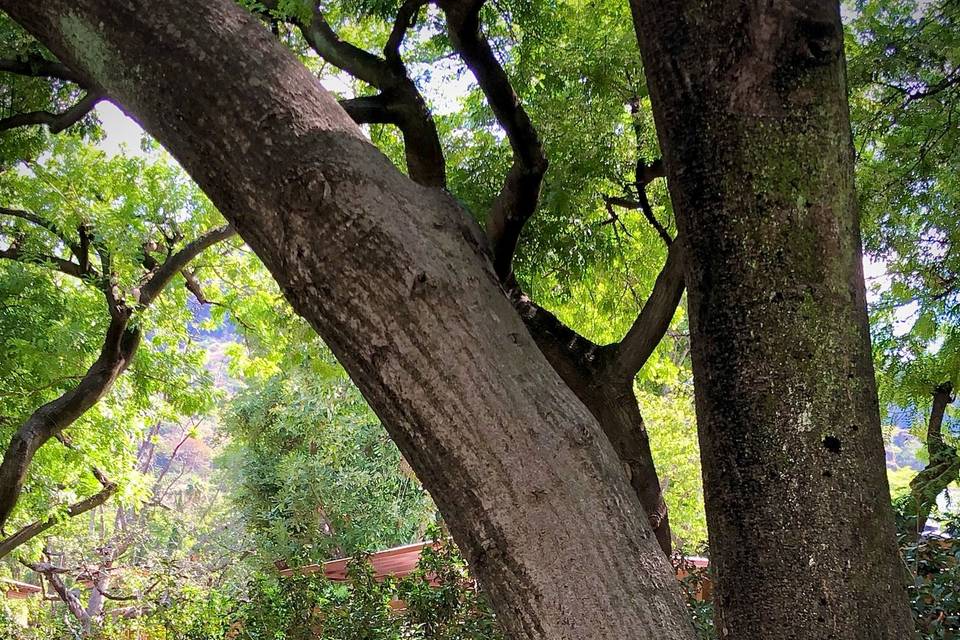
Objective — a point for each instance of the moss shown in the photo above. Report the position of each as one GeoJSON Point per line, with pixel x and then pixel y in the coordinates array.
{"type": "Point", "coordinates": [91, 50]}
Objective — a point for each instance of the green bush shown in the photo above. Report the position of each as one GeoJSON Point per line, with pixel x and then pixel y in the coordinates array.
{"type": "Point", "coordinates": [440, 602]}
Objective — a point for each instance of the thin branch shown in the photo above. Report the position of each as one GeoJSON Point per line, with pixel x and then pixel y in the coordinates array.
{"type": "Point", "coordinates": [33, 218]}
{"type": "Point", "coordinates": [110, 596]}
{"type": "Point", "coordinates": [63, 266]}
{"type": "Point", "coordinates": [406, 18]}
{"type": "Point", "coordinates": [193, 286]}
{"type": "Point", "coordinates": [69, 598]}
{"type": "Point", "coordinates": [654, 319]}
{"type": "Point", "coordinates": [108, 284]}
{"type": "Point", "coordinates": [324, 40]}
{"type": "Point", "coordinates": [651, 218]}
{"type": "Point", "coordinates": [520, 194]}
{"type": "Point", "coordinates": [56, 122]}
{"type": "Point", "coordinates": [30, 531]}
{"type": "Point", "coordinates": [159, 279]}
{"type": "Point", "coordinates": [36, 66]}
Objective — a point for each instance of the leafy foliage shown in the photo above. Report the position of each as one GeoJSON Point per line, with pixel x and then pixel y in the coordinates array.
{"type": "Point", "coordinates": [439, 601]}
{"type": "Point", "coordinates": [316, 475]}
{"type": "Point", "coordinates": [904, 57]}
{"type": "Point", "coordinates": [53, 325]}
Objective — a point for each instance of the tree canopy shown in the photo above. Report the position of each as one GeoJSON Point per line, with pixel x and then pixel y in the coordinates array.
{"type": "Point", "coordinates": [220, 427]}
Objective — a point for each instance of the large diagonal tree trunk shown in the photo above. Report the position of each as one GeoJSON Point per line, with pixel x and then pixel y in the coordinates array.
{"type": "Point", "coordinates": [398, 281]}
{"type": "Point", "coordinates": [750, 104]}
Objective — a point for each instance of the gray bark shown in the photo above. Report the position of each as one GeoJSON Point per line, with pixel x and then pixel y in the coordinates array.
{"type": "Point", "coordinates": [750, 103]}
{"type": "Point", "coordinates": [397, 279]}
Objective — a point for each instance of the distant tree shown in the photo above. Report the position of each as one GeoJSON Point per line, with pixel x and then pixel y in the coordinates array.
{"type": "Point", "coordinates": [315, 474]}
{"type": "Point", "coordinates": [905, 78]}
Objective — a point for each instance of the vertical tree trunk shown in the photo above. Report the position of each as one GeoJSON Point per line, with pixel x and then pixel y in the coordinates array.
{"type": "Point", "coordinates": [398, 281]}
{"type": "Point", "coordinates": [943, 463]}
{"type": "Point", "coordinates": [750, 104]}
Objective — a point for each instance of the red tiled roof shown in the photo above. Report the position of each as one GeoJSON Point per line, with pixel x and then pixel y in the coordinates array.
{"type": "Point", "coordinates": [401, 561]}
{"type": "Point", "coordinates": [17, 590]}
{"type": "Point", "coordinates": [397, 562]}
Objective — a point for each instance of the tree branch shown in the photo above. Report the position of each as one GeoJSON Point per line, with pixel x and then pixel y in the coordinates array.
{"type": "Point", "coordinates": [357, 62]}
{"type": "Point", "coordinates": [120, 345]}
{"type": "Point", "coordinates": [942, 396]}
{"type": "Point", "coordinates": [370, 110]}
{"type": "Point", "coordinates": [159, 279]}
{"type": "Point", "coordinates": [406, 18]}
{"type": "Point", "coordinates": [943, 466]}
{"type": "Point", "coordinates": [645, 173]}
{"type": "Point", "coordinates": [36, 66]}
{"type": "Point", "coordinates": [654, 318]}
{"type": "Point", "coordinates": [647, 210]}
{"type": "Point", "coordinates": [567, 351]}
{"type": "Point", "coordinates": [399, 102]}
{"type": "Point", "coordinates": [56, 122]}
{"type": "Point", "coordinates": [520, 193]}
{"type": "Point", "coordinates": [63, 266]}
{"type": "Point", "coordinates": [193, 286]}
{"type": "Point", "coordinates": [45, 224]}
{"type": "Point", "coordinates": [30, 531]}
{"type": "Point", "coordinates": [69, 598]}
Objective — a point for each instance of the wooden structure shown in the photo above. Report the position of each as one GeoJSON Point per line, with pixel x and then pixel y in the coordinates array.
{"type": "Point", "coordinates": [16, 590]}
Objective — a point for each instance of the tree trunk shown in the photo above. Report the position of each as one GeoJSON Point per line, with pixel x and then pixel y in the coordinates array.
{"type": "Point", "coordinates": [609, 396]}
{"type": "Point", "coordinates": [943, 463]}
{"type": "Point", "coordinates": [397, 279]}
{"type": "Point", "coordinates": [750, 104]}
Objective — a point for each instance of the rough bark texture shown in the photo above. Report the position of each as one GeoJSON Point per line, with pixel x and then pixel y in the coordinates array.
{"type": "Point", "coordinates": [606, 389]}
{"type": "Point", "coordinates": [603, 383]}
{"type": "Point", "coordinates": [750, 104]}
{"type": "Point", "coordinates": [398, 281]}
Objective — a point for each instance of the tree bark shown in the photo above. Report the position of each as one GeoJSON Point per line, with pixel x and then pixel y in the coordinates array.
{"type": "Point", "coordinates": [750, 103]}
{"type": "Point", "coordinates": [398, 280]}
{"type": "Point", "coordinates": [605, 387]}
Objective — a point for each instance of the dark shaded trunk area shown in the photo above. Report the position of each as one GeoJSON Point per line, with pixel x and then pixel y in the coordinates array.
{"type": "Point", "coordinates": [750, 103]}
